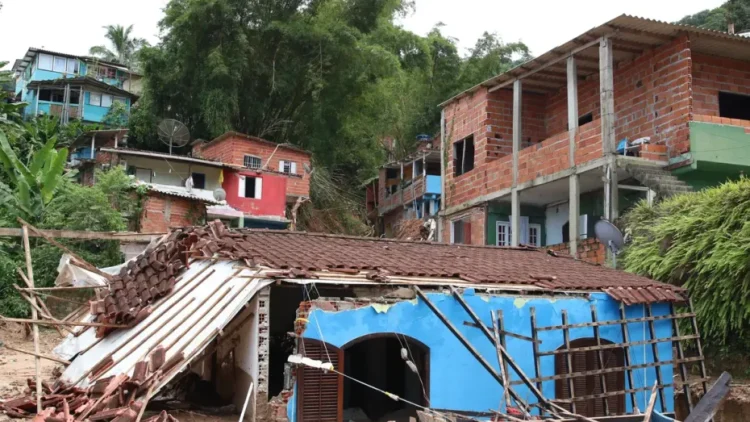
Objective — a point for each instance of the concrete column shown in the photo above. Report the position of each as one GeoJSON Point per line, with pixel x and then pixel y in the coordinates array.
{"type": "Point", "coordinates": [515, 221]}
{"type": "Point", "coordinates": [443, 141]}
{"type": "Point", "coordinates": [573, 190]}
{"type": "Point", "coordinates": [93, 139]}
{"type": "Point", "coordinates": [609, 146]}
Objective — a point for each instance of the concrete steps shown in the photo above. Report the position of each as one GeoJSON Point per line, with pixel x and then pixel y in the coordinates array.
{"type": "Point", "coordinates": [658, 179]}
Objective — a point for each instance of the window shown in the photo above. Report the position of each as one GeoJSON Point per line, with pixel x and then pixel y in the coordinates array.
{"type": "Point", "coordinates": [535, 235]}
{"type": "Point", "coordinates": [45, 62]}
{"type": "Point", "coordinates": [143, 175]}
{"type": "Point", "coordinates": [95, 98]}
{"type": "Point", "coordinates": [591, 385]}
{"type": "Point", "coordinates": [586, 118]}
{"type": "Point", "coordinates": [252, 162]}
{"type": "Point", "coordinates": [119, 100]}
{"type": "Point", "coordinates": [250, 187]}
{"type": "Point", "coordinates": [461, 232]}
{"type": "Point", "coordinates": [531, 234]}
{"type": "Point", "coordinates": [59, 64]}
{"type": "Point", "coordinates": [734, 106]}
{"type": "Point", "coordinates": [56, 96]}
{"type": "Point", "coordinates": [106, 100]}
{"type": "Point", "coordinates": [418, 168]}
{"type": "Point", "coordinates": [45, 95]}
{"type": "Point", "coordinates": [503, 234]}
{"type": "Point", "coordinates": [463, 156]}
{"type": "Point", "coordinates": [72, 66]}
{"type": "Point", "coordinates": [199, 180]}
{"type": "Point", "coordinates": [288, 167]}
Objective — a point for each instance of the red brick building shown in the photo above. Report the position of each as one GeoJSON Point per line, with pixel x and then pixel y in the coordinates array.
{"type": "Point", "coordinates": [633, 109]}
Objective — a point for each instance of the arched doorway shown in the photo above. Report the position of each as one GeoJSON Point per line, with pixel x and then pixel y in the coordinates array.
{"type": "Point", "coordinates": [391, 362]}
{"type": "Point", "coordinates": [587, 360]}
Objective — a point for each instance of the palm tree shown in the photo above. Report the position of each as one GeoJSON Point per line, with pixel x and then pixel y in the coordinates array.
{"type": "Point", "coordinates": [124, 46]}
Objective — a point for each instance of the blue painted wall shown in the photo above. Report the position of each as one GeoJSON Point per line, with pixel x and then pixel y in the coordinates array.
{"type": "Point", "coordinates": [433, 184]}
{"type": "Point", "coordinates": [457, 380]}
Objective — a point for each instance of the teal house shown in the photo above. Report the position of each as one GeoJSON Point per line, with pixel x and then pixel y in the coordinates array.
{"type": "Point", "coordinates": [72, 87]}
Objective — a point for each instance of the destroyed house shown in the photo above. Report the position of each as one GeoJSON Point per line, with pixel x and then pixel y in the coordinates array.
{"type": "Point", "coordinates": [632, 109]}
{"type": "Point", "coordinates": [291, 326]}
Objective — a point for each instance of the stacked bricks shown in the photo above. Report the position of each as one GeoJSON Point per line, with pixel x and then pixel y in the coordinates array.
{"type": "Point", "coordinates": [712, 74]}
{"type": "Point", "coordinates": [162, 212]}
{"type": "Point", "coordinates": [653, 152]}
{"type": "Point", "coordinates": [589, 250]}
{"type": "Point", "coordinates": [476, 216]}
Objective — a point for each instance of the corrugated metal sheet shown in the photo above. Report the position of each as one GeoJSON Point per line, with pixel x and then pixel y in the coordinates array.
{"type": "Point", "coordinates": [205, 300]}
{"type": "Point", "coordinates": [196, 194]}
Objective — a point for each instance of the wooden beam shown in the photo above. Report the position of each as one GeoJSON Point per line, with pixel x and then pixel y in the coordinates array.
{"type": "Point", "coordinates": [618, 345]}
{"type": "Point", "coordinates": [651, 403]}
{"type": "Point", "coordinates": [655, 353]}
{"type": "Point", "coordinates": [83, 235]}
{"type": "Point", "coordinates": [681, 355]}
{"type": "Point", "coordinates": [534, 335]}
{"type": "Point", "coordinates": [468, 345]}
{"type": "Point", "coordinates": [626, 349]}
{"type": "Point", "coordinates": [74, 324]}
{"type": "Point", "coordinates": [47, 289]}
{"type": "Point", "coordinates": [501, 364]}
{"type": "Point", "coordinates": [504, 332]}
{"type": "Point", "coordinates": [630, 391]}
{"type": "Point", "coordinates": [698, 346]}
{"type": "Point", "coordinates": [706, 408]}
{"type": "Point", "coordinates": [618, 321]}
{"type": "Point", "coordinates": [624, 30]}
{"type": "Point", "coordinates": [34, 315]}
{"type": "Point", "coordinates": [38, 355]}
{"type": "Point", "coordinates": [600, 364]}
{"type": "Point", "coordinates": [569, 362]}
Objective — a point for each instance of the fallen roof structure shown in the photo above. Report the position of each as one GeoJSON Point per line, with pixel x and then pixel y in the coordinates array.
{"type": "Point", "coordinates": [185, 295]}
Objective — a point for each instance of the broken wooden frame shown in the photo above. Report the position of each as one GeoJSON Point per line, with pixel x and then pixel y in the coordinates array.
{"type": "Point", "coordinates": [676, 339]}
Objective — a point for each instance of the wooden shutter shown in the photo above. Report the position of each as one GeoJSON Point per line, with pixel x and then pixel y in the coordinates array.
{"type": "Point", "coordinates": [241, 187]}
{"type": "Point", "coordinates": [587, 386]}
{"type": "Point", "coordinates": [467, 233]}
{"type": "Point", "coordinates": [320, 395]}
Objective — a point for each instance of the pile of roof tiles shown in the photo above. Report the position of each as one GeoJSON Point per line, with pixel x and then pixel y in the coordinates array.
{"type": "Point", "coordinates": [116, 398]}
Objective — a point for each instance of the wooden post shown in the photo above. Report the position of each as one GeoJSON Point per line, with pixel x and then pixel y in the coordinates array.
{"type": "Point", "coordinates": [628, 372]}
{"type": "Point", "coordinates": [34, 316]}
{"type": "Point", "coordinates": [681, 356]}
{"type": "Point", "coordinates": [569, 361]}
{"type": "Point", "coordinates": [515, 219]}
{"type": "Point", "coordinates": [535, 343]}
{"type": "Point", "coordinates": [699, 346]}
{"type": "Point", "coordinates": [500, 361]}
{"type": "Point", "coordinates": [573, 190]}
{"type": "Point", "coordinates": [655, 352]}
{"type": "Point", "coordinates": [600, 360]}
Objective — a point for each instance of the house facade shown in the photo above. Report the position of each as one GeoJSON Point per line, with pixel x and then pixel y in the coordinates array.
{"type": "Point", "coordinates": [72, 87]}
{"type": "Point", "coordinates": [406, 189]}
{"type": "Point", "coordinates": [633, 109]}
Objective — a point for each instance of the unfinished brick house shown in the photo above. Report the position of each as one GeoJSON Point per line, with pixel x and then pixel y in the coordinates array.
{"type": "Point", "coordinates": [406, 189]}
{"type": "Point", "coordinates": [633, 109]}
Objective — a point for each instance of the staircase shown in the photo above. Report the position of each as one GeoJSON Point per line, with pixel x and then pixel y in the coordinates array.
{"type": "Point", "coordinates": [658, 179]}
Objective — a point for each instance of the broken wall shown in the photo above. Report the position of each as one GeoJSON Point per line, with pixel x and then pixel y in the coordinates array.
{"type": "Point", "coordinates": [456, 380]}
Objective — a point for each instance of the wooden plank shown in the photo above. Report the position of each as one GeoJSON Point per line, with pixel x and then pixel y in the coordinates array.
{"type": "Point", "coordinates": [569, 361]}
{"type": "Point", "coordinates": [631, 391]}
{"type": "Point", "coordinates": [681, 355]}
{"type": "Point", "coordinates": [706, 408]}
{"type": "Point", "coordinates": [617, 321]}
{"type": "Point", "coordinates": [702, 364]}
{"type": "Point", "coordinates": [628, 371]}
{"type": "Point", "coordinates": [34, 316]}
{"type": "Point", "coordinates": [505, 333]}
{"type": "Point", "coordinates": [655, 352]}
{"type": "Point", "coordinates": [38, 355]}
{"type": "Point", "coordinates": [651, 403]}
{"type": "Point", "coordinates": [501, 329]}
{"type": "Point", "coordinates": [468, 345]}
{"type": "Point", "coordinates": [534, 336]}
{"type": "Point", "coordinates": [50, 289]}
{"type": "Point", "coordinates": [500, 362]}
{"type": "Point", "coordinates": [84, 235]}
{"type": "Point", "coordinates": [618, 345]}
{"type": "Point", "coordinates": [75, 324]}
{"type": "Point", "coordinates": [610, 370]}
{"type": "Point", "coordinates": [600, 360]}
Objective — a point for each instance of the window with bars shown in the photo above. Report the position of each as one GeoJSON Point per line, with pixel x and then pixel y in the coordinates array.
{"type": "Point", "coordinates": [288, 167]}
{"type": "Point", "coordinates": [586, 386]}
{"type": "Point", "coordinates": [252, 162]}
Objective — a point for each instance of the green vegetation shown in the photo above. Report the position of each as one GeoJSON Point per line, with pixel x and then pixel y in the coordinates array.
{"type": "Point", "coordinates": [124, 47]}
{"type": "Point", "coordinates": [735, 12]}
{"type": "Point", "coordinates": [700, 241]}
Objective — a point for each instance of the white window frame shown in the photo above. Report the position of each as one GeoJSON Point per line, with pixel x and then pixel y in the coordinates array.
{"type": "Point", "coordinates": [525, 239]}
{"type": "Point", "coordinates": [506, 239]}
{"type": "Point", "coordinates": [258, 187]}
{"type": "Point", "coordinates": [244, 161]}
{"type": "Point", "coordinates": [106, 100]}
{"type": "Point", "coordinates": [288, 167]}
{"type": "Point", "coordinates": [91, 98]}
{"type": "Point", "coordinates": [538, 228]}
{"type": "Point", "coordinates": [56, 68]}
{"type": "Point", "coordinates": [71, 63]}
{"type": "Point", "coordinates": [45, 56]}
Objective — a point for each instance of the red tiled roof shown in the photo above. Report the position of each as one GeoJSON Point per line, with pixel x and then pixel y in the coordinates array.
{"type": "Point", "coordinates": [232, 134]}
{"type": "Point", "coordinates": [153, 275]}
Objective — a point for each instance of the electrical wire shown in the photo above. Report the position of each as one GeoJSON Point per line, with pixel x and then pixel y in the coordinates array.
{"type": "Point", "coordinates": [317, 323]}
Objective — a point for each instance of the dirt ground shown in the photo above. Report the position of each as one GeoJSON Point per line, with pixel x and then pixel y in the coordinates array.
{"type": "Point", "coordinates": [15, 367]}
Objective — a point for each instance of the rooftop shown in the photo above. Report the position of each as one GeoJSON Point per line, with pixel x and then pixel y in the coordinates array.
{"type": "Point", "coordinates": [84, 81]}
{"type": "Point", "coordinates": [232, 134]}
{"type": "Point", "coordinates": [631, 36]}
{"type": "Point", "coordinates": [20, 64]}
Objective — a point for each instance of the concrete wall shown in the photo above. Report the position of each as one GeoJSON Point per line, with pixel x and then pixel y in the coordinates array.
{"type": "Point", "coordinates": [272, 201]}
{"type": "Point", "coordinates": [457, 381]}
{"type": "Point", "coordinates": [173, 173]}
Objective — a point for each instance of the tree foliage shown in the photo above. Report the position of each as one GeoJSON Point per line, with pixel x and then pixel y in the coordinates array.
{"type": "Point", "coordinates": [733, 11]}
{"type": "Point", "coordinates": [124, 46]}
{"type": "Point", "coordinates": [700, 241]}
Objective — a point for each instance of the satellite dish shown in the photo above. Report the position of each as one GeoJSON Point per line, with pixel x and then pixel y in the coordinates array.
{"type": "Point", "coordinates": [220, 194]}
{"type": "Point", "coordinates": [173, 133]}
{"type": "Point", "coordinates": [307, 168]}
{"type": "Point", "coordinates": [610, 235]}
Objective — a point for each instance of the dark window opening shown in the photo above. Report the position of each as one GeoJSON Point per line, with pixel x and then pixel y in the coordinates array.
{"type": "Point", "coordinates": [199, 181]}
{"type": "Point", "coordinates": [391, 173]}
{"type": "Point", "coordinates": [463, 156]}
{"type": "Point", "coordinates": [378, 362]}
{"type": "Point", "coordinates": [250, 187]}
{"type": "Point", "coordinates": [586, 118]}
{"type": "Point", "coordinates": [433, 169]}
{"type": "Point", "coordinates": [418, 168]}
{"type": "Point", "coordinates": [566, 232]}
{"type": "Point", "coordinates": [591, 385]}
{"type": "Point", "coordinates": [734, 106]}
{"type": "Point", "coordinates": [461, 232]}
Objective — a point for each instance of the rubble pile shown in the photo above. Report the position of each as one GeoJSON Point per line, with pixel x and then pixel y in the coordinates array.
{"type": "Point", "coordinates": [116, 398]}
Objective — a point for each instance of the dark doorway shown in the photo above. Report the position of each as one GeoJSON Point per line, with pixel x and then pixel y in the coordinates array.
{"type": "Point", "coordinates": [590, 385]}
{"type": "Point", "coordinates": [378, 361]}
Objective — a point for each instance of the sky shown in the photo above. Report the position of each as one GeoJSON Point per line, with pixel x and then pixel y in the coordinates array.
{"type": "Point", "coordinates": [74, 26]}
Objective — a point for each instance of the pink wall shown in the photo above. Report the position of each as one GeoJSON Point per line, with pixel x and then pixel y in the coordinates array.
{"type": "Point", "coordinates": [273, 197]}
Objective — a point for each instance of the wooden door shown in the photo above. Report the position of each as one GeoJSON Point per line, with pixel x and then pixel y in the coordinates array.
{"type": "Point", "coordinates": [320, 395]}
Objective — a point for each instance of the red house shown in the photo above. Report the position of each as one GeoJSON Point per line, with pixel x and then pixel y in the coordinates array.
{"type": "Point", "coordinates": [261, 178]}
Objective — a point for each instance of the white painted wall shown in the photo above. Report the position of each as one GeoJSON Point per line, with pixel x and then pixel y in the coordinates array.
{"type": "Point", "coordinates": [172, 173]}
{"type": "Point", "coordinates": [555, 218]}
